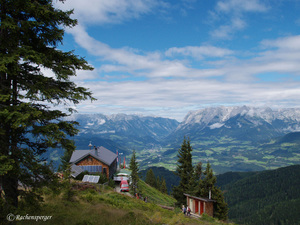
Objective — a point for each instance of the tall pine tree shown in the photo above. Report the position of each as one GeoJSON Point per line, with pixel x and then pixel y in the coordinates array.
{"type": "Point", "coordinates": [195, 184]}
{"type": "Point", "coordinates": [163, 187]}
{"type": "Point", "coordinates": [208, 184]}
{"type": "Point", "coordinates": [150, 178]}
{"type": "Point", "coordinates": [30, 32]}
{"type": "Point", "coordinates": [134, 167]}
{"type": "Point", "coordinates": [185, 171]}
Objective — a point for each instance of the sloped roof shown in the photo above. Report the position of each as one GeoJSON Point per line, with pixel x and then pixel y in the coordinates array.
{"type": "Point", "coordinates": [102, 154]}
{"type": "Point", "coordinates": [200, 198]}
{"type": "Point", "coordinates": [75, 170]}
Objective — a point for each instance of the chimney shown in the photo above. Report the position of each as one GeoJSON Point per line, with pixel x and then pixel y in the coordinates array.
{"type": "Point", "coordinates": [96, 150]}
{"type": "Point", "coordinates": [90, 145]}
{"type": "Point", "coordinates": [209, 194]}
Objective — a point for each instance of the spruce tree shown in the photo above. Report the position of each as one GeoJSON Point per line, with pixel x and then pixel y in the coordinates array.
{"type": "Point", "coordinates": [65, 161]}
{"type": "Point", "coordinates": [134, 167]}
{"type": "Point", "coordinates": [220, 207]}
{"type": "Point", "coordinates": [30, 32]}
{"type": "Point", "coordinates": [208, 181]}
{"type": "Point", "coordinates": [208, 184]}
{"type": "Point", "coordinates": [163, 187]}
{"type": "Point", "coordinates": [150, 178]}
{"type": "Point", "coordinates": [158, 183]}
{"type": "Point", "coordinates": [185, 172]}
{"type": "Point", "coordinates": [195, 184]}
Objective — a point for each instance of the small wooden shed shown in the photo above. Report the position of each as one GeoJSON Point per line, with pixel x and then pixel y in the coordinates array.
{"type": "Point", "coordinates": [199, 205]}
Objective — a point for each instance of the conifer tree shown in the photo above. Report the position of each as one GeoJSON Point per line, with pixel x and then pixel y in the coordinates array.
{"type": "Point", "coordinates": [185, 172]}
{"type": "Point", "coordinates": [158, 183]}
{"type": "Point", "coordinates": [195, 184]}
{"type": "Point", "coordinates": [65, 161]}
{"type": "Point", "coordinates": [208, 184]}
{"type": "Point", "coordinates": [30, 32]}
{"type": "Point", "coordinates": [220, 207]}
{"type": "Point", "coordinates": [208, 181]}
{"type": "Point", "coordinates": [163, 187]}
{"type": "Point", "coordinates": [150, 178]}
{"type": "Point", "coordinates": [134, 167]}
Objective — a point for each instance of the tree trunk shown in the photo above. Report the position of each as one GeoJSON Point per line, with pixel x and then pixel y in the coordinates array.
{"type": "Point", "coordinates": [10, 188]}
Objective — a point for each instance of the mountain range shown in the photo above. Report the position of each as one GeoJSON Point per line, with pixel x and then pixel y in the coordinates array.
{"type": "Point", "coordinates": [122, 132]}
{"type": "Point", "coordinates": [246, 123]}
{"type": "Point", "coordinates": [238, 138]}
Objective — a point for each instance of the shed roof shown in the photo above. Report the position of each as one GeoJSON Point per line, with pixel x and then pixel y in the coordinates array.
{"type": "Point", "coordinates": [200, 198]}
{"type": "Point", "coordinates": [75, 171]}
{"type": "Point", "coordinates": [102, 154]}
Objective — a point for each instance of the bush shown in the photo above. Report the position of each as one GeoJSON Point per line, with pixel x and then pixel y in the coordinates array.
{"type": "Point", "coordinates": [83, 186]}
{"type": "Point", "coordinates": [103, 179]}
{"type": "Point", "coordinates": [111, 183]}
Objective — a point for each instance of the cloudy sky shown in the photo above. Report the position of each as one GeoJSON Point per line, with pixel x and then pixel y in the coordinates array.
{"type": "Point", "coordinates": [167, 57]}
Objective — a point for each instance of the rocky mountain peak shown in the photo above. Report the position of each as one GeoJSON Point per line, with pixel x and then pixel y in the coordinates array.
{"type": "Point", "coordinates": [215, 117]}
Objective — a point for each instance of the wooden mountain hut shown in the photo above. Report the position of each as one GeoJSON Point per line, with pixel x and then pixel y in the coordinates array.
{"type": "Point", "coordinates": [97, 160]}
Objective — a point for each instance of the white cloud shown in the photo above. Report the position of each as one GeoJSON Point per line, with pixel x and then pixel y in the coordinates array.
{"type": "Point", "coordinates": [181, 94]}
{"type": "Point", "coordinates": [232, 12]}
{"type": "Point", "coordinates": [199, 52]}
{"type": "Point", "coordinates": [150, 64]}
{"type": "Point", "coordinates": [229, 6]}
{"type": "Point", "coordinates": [291, 43]}
{"type": "Point", "coordinates": [107, 11]}
{"type": "Point", "coordinates": [173, 85]}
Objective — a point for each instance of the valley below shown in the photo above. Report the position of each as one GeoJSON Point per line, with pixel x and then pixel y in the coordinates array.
{"type": "Point", "coordinates": [227, 154]}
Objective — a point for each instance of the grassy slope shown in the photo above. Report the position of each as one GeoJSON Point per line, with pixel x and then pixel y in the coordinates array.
{"type": "Point", "coordinates": [109, 207]}
{"type": "Point", "coordinates": [155, 196]}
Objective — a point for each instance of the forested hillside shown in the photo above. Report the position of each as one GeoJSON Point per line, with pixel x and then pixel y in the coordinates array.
{"type": "Point", "coordinates": [267, 197]}
{"type": "Point", "coordinates": [161, 172]}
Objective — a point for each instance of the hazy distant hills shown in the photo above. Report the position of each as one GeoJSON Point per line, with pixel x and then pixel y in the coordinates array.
{"type": "Point", "coordinates": [230, 138]}
{"type": "Point", "coordinates": [290, 138]}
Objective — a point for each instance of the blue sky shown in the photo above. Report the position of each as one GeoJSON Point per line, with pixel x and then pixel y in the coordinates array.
{"type": "Point", "coordinates": [167, 57]}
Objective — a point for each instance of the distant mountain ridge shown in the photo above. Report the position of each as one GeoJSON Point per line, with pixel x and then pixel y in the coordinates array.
{"type": "Point", "coordinates": [239, 122]}
{"type": "Point", "coordinates": [216, 117]}
{"type": "Point", "coordinates": [121, 123]}
{"type": "Point", "coordinates": [128, 131]}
